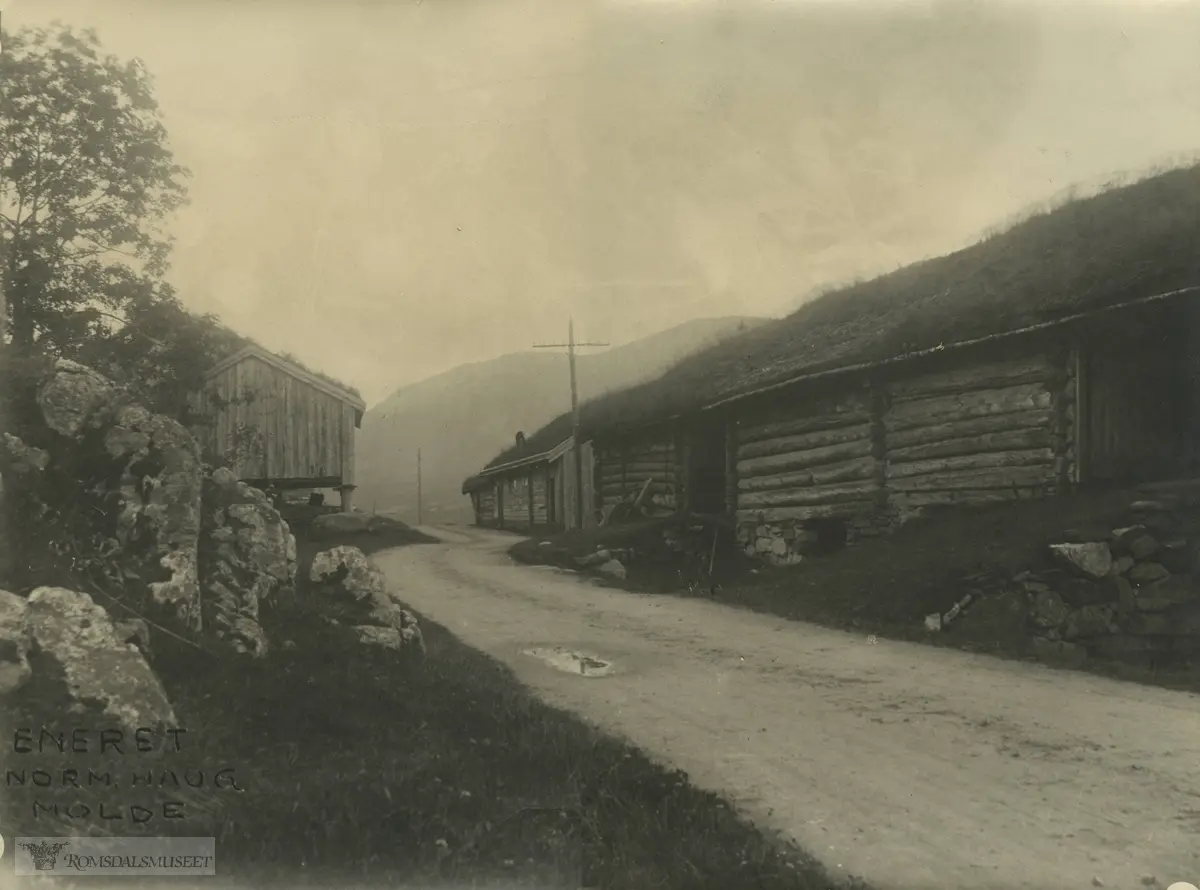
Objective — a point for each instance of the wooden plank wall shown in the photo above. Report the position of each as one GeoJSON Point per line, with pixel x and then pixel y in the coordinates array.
{"type": "Point", "coordinates": [807, 460]}
{"type": "Point", "coordinates": [538, 492]}
{"type": "Point", "coordinates": [564, 488]}
{"type": "Point", "coordinates": [623, 468]}
{"type": "Point", "coordinates": [305, 433]}
{"type": "Point", "coordinates": [973, 434]}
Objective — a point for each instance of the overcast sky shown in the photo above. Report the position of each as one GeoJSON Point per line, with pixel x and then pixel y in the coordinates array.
{"type": "Point", "coordinates": [389, 189]}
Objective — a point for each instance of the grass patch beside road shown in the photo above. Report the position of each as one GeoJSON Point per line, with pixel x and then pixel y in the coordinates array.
{"type": "Point", "coordinates": [366, 768]}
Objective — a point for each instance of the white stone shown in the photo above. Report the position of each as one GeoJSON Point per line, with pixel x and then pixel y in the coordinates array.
{"type": "Point", "coordinates": [1094, 559]}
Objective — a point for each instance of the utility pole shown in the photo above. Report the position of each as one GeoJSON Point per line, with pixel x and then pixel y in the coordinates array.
{"type": "Point", "coordinates": [418, 486]}
{"type": "Point", "coordinates": [576, 446]}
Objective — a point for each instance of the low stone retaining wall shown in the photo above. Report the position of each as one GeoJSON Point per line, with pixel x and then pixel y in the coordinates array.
{"type": "Point", "coordinates": [1125, 593]}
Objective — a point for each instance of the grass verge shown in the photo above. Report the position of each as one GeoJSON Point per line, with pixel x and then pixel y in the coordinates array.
{"type": "Point", "coordinates": [361, 767]}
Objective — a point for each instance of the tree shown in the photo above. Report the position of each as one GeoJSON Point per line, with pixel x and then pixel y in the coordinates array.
{"type": "Point", "coordinates": [86, 180]}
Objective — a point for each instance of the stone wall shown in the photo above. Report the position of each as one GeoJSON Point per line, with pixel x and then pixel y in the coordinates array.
{"type": "Point", "coordinates": [1124, 593]}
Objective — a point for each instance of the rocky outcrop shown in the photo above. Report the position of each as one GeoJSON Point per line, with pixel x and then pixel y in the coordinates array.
{"type": "Point", "coordinates": [247, 558]}
{"type": "Point", "coordinates": [158, 495]}
{"type": "Point", "coordinates": [75, 646]}
{"type": "Point", "coordinates": [119, 481]}
{"type": "Point", "coordinates": [14, 643]}
{"type": "Point", "coordinates": [125, 488]}
{"type": "Point", "coordinates": [353, 591]}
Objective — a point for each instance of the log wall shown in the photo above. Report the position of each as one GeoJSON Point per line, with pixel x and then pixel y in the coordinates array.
{"type": "Point", "coordinates": [814, 468]}
{"type": "Point", "coordinates": [801, 463]}
{"type": "Point", "coordinates": [976, 433]}
{"type": "Point", "coordinates": [516, 500]}
{"type": "Point", "coordinates": [485, 505]}
{"type": "Point", "coordinates": [622, 468]}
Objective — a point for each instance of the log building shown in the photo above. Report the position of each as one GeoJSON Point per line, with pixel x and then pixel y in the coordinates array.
{"type": "Point", "coordinates": [1020, 367]}
{"type": "Point", "coordinates": [535, 492]}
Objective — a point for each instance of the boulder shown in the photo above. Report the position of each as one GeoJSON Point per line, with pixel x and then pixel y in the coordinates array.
{"type": "Point", "coordinates": [614, 568]}
{"type": "Point", "coordinates": [1126, 595]}
{"type": "Point", "coordinates": [1090, 621]}
{"type": "Point", "coordinates": [1120, 537]}
{"type": "Point", "coordinates": [247, 558]}
{"type": "Point", "coordinates": [76, 640]}
{"type": "Point", "coordinates": [1178, 556]}
{"type": "Point", "coordinates": [74, 397]}
{"type": "Point", "coordinates": [1174, 589]}
{"type": "Point", "coordinates": [1143, 546]}
{"type": "Point", "coordinates": [396, 639]}
{"type": "Point", "coordinates": [14, 643]}
{"type": "Point", "coordinates": [354, 592]}
{"type": "Point", "coordinates": [1092, 559]}
{"type": "Point", "coordinates": [1048, 610]}
{"type": "Point", "coordinates": [1123, 564]}
{"type": "Point", "coordinates": [1147, 573]}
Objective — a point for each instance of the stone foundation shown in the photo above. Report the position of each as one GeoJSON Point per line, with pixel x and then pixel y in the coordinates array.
{"type": "Point", "coordinates": [790, 542]}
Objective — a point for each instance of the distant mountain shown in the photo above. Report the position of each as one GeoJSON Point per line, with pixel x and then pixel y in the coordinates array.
{"type": "Point", "coordinates": [463, 418]}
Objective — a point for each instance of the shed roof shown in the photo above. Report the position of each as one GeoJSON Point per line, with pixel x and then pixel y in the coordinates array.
{"type": "Point", "coordinates": [497, 468]}
{"type": "Point", "coordinates": [1122, 245]}
{"type": "Point", "coordinates": [321, 382]}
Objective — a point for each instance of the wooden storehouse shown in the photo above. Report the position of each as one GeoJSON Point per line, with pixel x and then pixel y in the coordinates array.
{"type": "Point", "coordinates": [533, 492]}
{"type": "Point", "coordinates": [284, 426]}
{"type": "Point", "coordinates": [1022, 367]}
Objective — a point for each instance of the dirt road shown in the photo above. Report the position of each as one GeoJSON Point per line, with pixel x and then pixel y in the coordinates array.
{"type": "Point", "coordinates": [910, 766]}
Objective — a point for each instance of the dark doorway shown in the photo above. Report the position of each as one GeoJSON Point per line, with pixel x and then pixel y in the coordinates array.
{"type": "Point", "coordinates": [706, 469]}
{"type": "Point", "coordinates": [1138, 395]}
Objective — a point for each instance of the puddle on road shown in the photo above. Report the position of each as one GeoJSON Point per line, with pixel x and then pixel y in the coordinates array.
{"type": "Point", "coordinates": [571, 662]}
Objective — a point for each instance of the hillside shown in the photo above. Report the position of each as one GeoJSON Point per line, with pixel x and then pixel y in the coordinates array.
{"type": "Point", "coordinates": [461, 419]}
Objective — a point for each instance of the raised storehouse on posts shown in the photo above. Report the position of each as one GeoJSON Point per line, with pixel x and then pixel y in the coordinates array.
{"type": "Point", "coordinates": [1061, 353]}
{"type": "Point", "coordinates": [280, 425]}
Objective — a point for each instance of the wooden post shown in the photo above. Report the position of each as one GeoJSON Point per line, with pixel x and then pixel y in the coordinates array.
{"type": "Point", "coordinates": [575, 443]}
{"type": "Point", "coordinates": [418, 486]}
